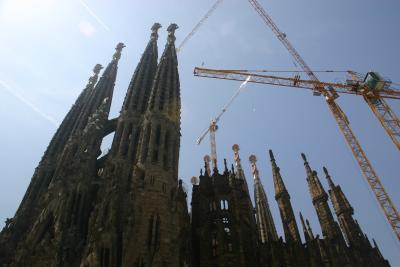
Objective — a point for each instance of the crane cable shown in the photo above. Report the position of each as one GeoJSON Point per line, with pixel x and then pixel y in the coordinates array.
{"type": "Point", "coordinates": [198, 25]}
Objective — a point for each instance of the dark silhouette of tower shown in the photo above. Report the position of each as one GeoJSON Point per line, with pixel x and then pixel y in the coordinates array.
{"type": "Point", "coordinates": [285, 207]}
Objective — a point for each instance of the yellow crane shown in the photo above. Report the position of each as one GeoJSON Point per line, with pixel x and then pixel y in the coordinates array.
{"type": "Point", "coordinates": [330, 91]}
{"type": "Point", "coordinates": [379, 106]}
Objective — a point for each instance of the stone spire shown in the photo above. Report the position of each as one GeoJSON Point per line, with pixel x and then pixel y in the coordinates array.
{"type": "Point", "coordinates": [167, 100]}
{"type": "Point", "coordinates": [103, 89]}
{"type": "Point", "coordinates": [308, 235]}
{"type": "Point", "coordinates": [207, 167]}
{"type": "Point", "coordinates": [138, 93]}
{"type": "Point", "coordinates": [129, 125]}
{"type": "Point", "coordinates": [285, 207]}
{"type": "Point", "coordinates": [266, 226]}
{"type": "Point", "coordinates": [44, 172]}
{"type": "Point", "coordinates": [344, 212]}
{"type": "Point", "coordinates": [238, 163]}
{"type": "Point", "coordinates": [155, 174]}
{"type": "Point", "coordinates": [319, 198]}
{"type": "Point", "coordinates": [66, 202]}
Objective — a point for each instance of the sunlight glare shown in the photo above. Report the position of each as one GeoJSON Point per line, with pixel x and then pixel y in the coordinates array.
{"type": "Point", "coordinates": [23, 10]}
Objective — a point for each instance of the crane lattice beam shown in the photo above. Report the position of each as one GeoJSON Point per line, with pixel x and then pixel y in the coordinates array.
{"type": "Point", "coordinates": [368, 171]}
{"type": "Point", "coordinates": [386, 116]}
{"type": "Point", "coordinates": [372, 178]}
{"type": "Point", "coordinates": [242, 75]}
{"type": "Point", "coordinates": [199, 24]}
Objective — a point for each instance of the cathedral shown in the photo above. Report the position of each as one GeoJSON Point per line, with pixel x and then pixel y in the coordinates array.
{"type": "Point", "coordinates": [127, 207]}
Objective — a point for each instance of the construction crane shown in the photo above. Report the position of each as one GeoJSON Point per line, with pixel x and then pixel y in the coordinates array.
{"type": "Point", "coordinates": [199, 24]}
{"type": "Point", "coordinates": [353, 87]}
{"type": "Point", "coordinates": [380, 108]}
{"type": "Point", "coordinates": [368, 171]}
{"type": "Point", "coordinates": [330, 95]}
{"type": "Point", "coordinates": [213, 127]}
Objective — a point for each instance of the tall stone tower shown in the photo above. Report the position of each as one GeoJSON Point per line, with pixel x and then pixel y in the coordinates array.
{"type": "Point", "coordinates": [32, 200]}
{"type": "Point", "coordinates": [319, 198]}
{"type": "Point", "coordinates": [59, 226]}
{"type": "Point", "coordinates": [141, 217]}
{"type": "Point", "coordinates": [285, 207]}
{"type": "Point", "coordinates": [223, 225]}
{"type": "Point", "coordinates": [265, 222]}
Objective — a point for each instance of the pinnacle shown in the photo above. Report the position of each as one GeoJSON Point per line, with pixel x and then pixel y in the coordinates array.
{"type": "Point", "coordinates": [271, 155]}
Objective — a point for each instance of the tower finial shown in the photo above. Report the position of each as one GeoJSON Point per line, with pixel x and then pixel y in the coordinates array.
{"type": "Point", "coordinates": [271, 155]}
{"type": "Point", "coordinates": [97, 69]}
{"type": "Point", "coordinates": [226, 166]}
{"type": "Point", "coordinates": [154, 31]}
{"type": "Point", "coordinates": [304, 157]}
{"type": "Point", "coordinates": [171, 32]}
{"type": "Point", "coordinates": [93, 79]}
{"type": "Point", "coordinates": [118, 50]}
{"type": "Point", "coordinates": [207, 161]}
{"type": "Point", "coordinates": [253, 161]}
{"type": "Point", "coordinates": [239, 169]}
{"type": "Point", "coordinates": [328, 177]}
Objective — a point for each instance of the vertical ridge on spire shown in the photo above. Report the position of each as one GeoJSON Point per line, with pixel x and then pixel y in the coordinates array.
{"type": "Point", "coordinates": [238, 163]}
{"type": "Point", "coordinates": [344, 212]}
{"type": "Point", "coordinates": [158, 194]}
{"type": "Point", "coordinates": [162, 99]}
{"type": "Point", "coordinates": [30, 203]}
{"type": "Point", "coordinates": [285, 207]}
{"type": "Point", "coordinates": [266, 225]}
{"type": "Point", "coordinates": [130, 123]}
{"type": "Point", "coordinates": [305, 233]}
{"type": "Point", "coordinates": [103, 89]}
{"type": "Point", "coordinates": [138, 93]}
{"type": "Point", "coordinates": [319, 198]}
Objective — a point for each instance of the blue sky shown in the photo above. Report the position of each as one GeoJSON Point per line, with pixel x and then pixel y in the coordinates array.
{"type": "Point", "coordinates": [48, 48]}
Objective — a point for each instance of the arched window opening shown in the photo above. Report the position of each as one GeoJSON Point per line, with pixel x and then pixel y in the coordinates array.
{"type": "Point", "coordinates": [105, 257]}
{"type": "Point", "coordinates": [154, 233]}
{"type": "Point", "coordinates": [135, 142]}
{"type": "Point", "coordinates": [230, 247]}
{"type": "Point", "coordinates": [227, 230]}
{"type": "Point", "coordinates": [214, 245]}
{"type": "Point", "coordinates": [156, 147]}
{"type": "Point", "coordinates": [213, 205]}
{"type": "Point", "coordinates": [127, 135]}
{"type": "Point", "coordinates": [164, 188]}
{"type": "Point", "coordinates": [166, 151]}
{"type": "Point", "coordinates": [224, 205]}
{"type": "Point", "coordinates": [146, 143]}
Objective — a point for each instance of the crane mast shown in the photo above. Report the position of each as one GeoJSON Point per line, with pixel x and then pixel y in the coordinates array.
{"type": "Point", "coordinates": [388, 119]}
{"type": "Point", "coordinates": [213, 127]}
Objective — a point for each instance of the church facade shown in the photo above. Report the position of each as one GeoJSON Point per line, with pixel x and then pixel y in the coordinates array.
{"type": "Point", "coordinates": [127, 207]}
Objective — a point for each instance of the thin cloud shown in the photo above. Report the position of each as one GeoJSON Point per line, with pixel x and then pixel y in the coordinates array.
{"type": "Point", "coordinates": [9, 89]}
{"type": "Point", "coordinates": [94, 15]}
